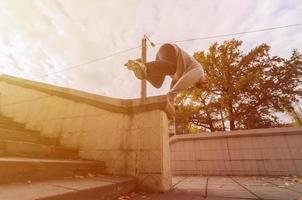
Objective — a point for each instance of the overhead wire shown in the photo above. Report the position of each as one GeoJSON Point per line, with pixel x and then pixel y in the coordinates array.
{"type": "Point", "coordinates": [88, 62]}
{"type": "Point", "coordinates": [232, 34]}
{"type": "Point", "coordinates": [175, 41]}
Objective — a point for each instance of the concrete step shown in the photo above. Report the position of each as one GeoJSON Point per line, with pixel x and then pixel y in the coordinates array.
{"type": "Point", "coordinates": [34, 150]}
{"type": "Point", "coordinates": [10, 123]}
{"type": "Point", "coordinates": [25, 136]}
{"type": "Point", "coordinates": [93, 188]}
{"type": "Point", "coordinates": [15, 169]}
{"type": "Point", "coordinates": [5, 117]}
{"type": "Point", "coordinates": [17, 128]}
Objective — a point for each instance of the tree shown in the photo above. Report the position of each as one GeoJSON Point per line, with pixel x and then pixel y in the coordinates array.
{"type": "Point", "coordinates": [246, 89]}
{"type": "Point", "coordinates": [296, 118]}
{"type": "Point", "coordinates": [200, 109]}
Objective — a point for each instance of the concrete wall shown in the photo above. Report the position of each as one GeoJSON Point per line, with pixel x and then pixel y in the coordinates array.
{"type": "Point", "coordinates": [275, 151]}
{"type": "Point", "coordinates": [131, 136]}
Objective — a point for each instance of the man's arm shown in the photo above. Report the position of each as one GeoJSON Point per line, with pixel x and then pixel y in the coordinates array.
{"type": "Point", "coordinates": [170, 108]}
{"type": "Point", "coordinates": [173, 82]}
{"type": "Point", "coordinates": [187, 80]}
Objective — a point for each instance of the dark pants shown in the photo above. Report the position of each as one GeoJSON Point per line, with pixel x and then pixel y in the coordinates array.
{"type": "Point", "coordinates": [165, 64]}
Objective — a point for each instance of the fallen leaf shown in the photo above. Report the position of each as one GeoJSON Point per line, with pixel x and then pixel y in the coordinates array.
{"type": "Point", "coordinates": [79, 177]}
{"type": "Point", "coordinates": [295, 180]}
{"type": "Point", "coordinates": [91, 175]}
{"type": "Point", "coordinates": [123, 198]}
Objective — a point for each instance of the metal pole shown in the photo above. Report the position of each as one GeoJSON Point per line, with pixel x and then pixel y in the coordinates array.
{"type": "Point", "coordinates": [144, 58]}
{"type": "Point", "coordinates": [0, 103]}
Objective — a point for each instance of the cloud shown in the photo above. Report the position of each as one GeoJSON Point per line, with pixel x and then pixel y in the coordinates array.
{"type": "Point", "coordinates": [42, 37]}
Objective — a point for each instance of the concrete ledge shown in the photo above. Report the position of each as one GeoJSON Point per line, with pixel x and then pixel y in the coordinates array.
{"type": "Point", "coordinates": [238, 134]}
{"type": "Point", "coordinates": [101, 187]}
{"type": "Point", "coordinates": [13, 169]}
{"type": "Point", "coordinates": [124, 106]}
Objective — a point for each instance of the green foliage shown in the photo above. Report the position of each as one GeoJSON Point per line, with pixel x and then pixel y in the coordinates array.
{"type": "Point", "coordinates": [246, 90]}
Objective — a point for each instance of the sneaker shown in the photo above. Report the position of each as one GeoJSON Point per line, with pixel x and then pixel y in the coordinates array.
{"type": "Point", "coordinates": [137, 67]}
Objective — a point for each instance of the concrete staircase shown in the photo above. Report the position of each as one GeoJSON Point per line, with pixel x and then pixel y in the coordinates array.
{"type": "Point", "coordinates": [16, 140]}
{"type": "Point", "coordinates": [36, 167]}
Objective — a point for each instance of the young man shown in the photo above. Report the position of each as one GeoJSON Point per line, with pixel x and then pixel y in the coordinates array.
{"type": "Point", "coordinates": [171, 60]}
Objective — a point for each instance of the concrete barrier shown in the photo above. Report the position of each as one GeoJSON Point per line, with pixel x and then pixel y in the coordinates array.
{"type": "Point", "coordinates": [270, 152]}
{"type": "Point", "coordinates": [130, 136]}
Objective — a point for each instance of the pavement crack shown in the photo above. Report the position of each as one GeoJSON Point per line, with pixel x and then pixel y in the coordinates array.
{"type": "Point", "coordinates": [251, 192]}
{"type": "Point", "coordinates": [206, 188]}
{"type": "Point", "coordinates": [173, 186]}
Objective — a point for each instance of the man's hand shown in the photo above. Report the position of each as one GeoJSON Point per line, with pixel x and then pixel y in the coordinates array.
{"type": "Point", "coordinates": [203, 83]}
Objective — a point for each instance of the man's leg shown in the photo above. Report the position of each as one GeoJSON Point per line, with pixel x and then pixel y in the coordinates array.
{"type": "Point", "coordinates": [165, 64]}
{"type": "Point", "coordinates": [157, 70]}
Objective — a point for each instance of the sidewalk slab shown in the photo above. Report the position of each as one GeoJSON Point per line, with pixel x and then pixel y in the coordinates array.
{"type": "Point", "coordinates": [227, 188]}
{"type": "Point", "coordinates": [222, 188]}
{"type": "Point", "coordinates": [266, 190]}
{"type": "Point", "coordinates": [192, 185]}
{"type": "Point", "coordinates": [294, 184]}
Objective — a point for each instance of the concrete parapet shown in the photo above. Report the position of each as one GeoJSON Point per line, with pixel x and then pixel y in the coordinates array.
{"type": "Point", "coordinates": [130, 136]}
{"type": "Point", "coordinates": [272, 152]}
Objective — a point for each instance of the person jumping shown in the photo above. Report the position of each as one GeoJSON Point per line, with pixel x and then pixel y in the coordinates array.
{"type": "Point", "coordinates": [171, 61]}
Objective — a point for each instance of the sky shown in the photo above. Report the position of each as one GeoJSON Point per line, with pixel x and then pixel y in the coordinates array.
{"type": "Point", "coordinates": [67, 42]}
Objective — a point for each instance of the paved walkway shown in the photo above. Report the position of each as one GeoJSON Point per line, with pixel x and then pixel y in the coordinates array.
{"type": "Point", "coordinates": [227, 188]}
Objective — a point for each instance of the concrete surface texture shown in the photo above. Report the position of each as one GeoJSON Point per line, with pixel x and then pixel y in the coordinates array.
{"type": "Point", "coordinates": [226, 188]}
{"type": "Point", "coordinates": [270, 152]}
{"type": "Point", "coordinates": [130, 136]}
{"type": "Point", "coordinates": [100, 188]}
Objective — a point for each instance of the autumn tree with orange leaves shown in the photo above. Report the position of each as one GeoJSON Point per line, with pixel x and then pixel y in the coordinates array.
{"type": "Point", "coordinates": [246, 89]}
